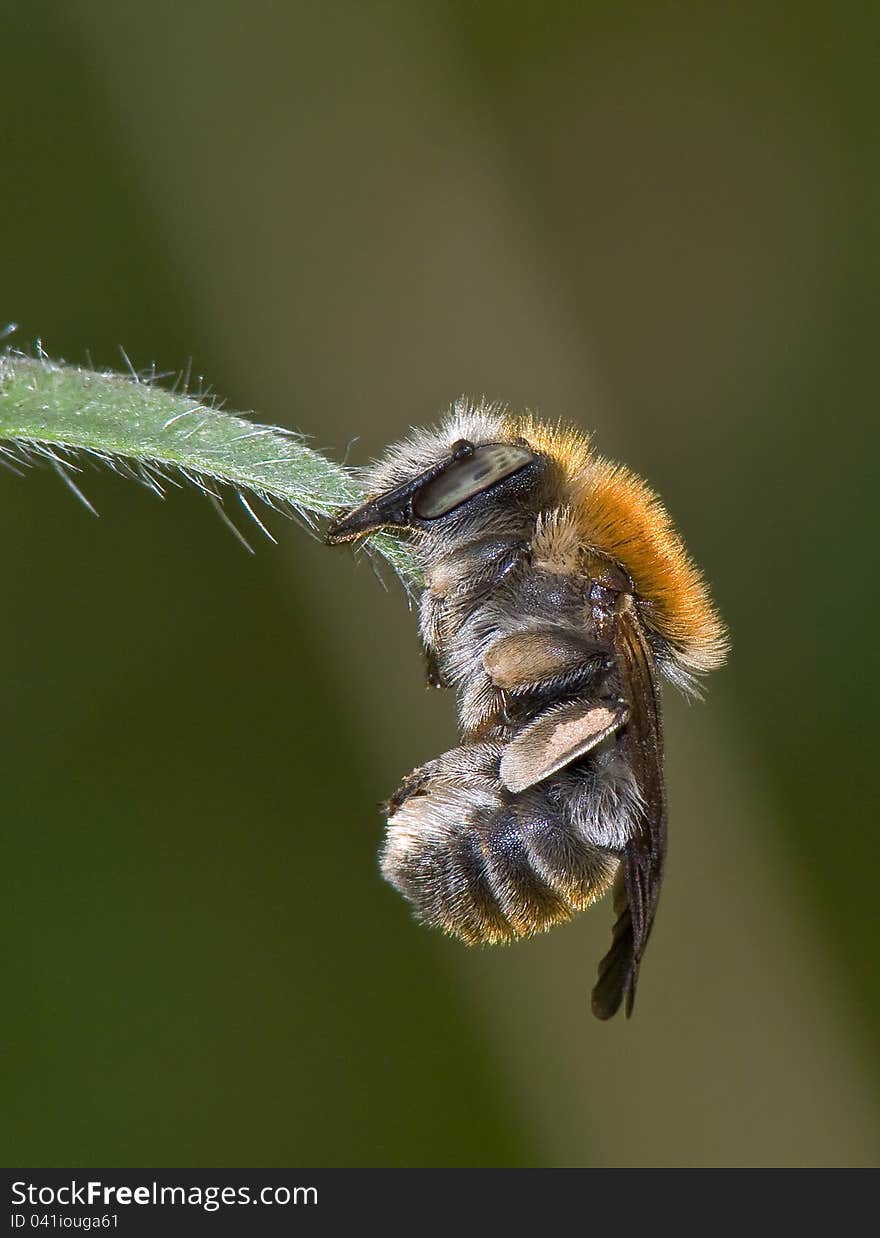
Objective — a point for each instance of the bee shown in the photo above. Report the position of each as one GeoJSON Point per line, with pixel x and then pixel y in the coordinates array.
{"type": "Point", "coordinates": [556, 595]}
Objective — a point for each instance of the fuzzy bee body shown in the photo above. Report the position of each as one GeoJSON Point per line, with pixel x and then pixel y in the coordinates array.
{"type": "Point", "coordinates": [555, 591]}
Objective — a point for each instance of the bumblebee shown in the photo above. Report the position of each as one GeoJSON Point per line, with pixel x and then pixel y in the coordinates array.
{"type": "Point", "coordinates": [557, 593]}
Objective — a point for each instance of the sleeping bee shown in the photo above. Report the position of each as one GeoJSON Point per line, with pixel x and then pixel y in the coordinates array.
{"type": "Point", "coordinates": [557, 592]}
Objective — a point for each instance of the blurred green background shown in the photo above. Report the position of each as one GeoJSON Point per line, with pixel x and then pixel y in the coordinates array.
{"type": "Point", "coordinates": [657, 220]}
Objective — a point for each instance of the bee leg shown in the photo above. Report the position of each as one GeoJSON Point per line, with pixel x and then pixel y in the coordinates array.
{"type": "Point", "coordinates": [544, 660]}
{"type": "Point", "coordinates": [433, 673]}
{"type": "Point", "coordinates": [430, 626]}
{"type": "Point", "coordinates": [413, 784]}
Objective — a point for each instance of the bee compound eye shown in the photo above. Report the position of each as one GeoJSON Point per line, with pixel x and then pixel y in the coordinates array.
{"type": "Point", "coordinates": [469, 475]}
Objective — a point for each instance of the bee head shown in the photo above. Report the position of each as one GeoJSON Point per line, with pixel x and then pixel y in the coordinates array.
{"type": "Point", "coordinates": [434, 481]}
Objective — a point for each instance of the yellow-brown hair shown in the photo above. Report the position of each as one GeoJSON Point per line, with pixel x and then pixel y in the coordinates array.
{"type": "Point", "coordinates": [617, 514]}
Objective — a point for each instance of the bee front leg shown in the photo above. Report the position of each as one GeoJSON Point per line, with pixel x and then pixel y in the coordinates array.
{"type": "Point", "coordinates": [433, 674]}
{"type": "Point", "coordinates": [430, 626]}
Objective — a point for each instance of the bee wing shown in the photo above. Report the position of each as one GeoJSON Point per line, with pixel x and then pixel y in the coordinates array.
{"type": "Point", "coordinates": [637, 885]}
{"type": "Point", "coordinates": [557, 738]}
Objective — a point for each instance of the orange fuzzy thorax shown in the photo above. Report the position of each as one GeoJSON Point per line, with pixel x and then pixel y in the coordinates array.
{"type": "Point", "coordinates": [618, 515]}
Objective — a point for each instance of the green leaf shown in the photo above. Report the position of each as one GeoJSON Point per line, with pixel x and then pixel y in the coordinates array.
{"type": "Point", "coordinates": [57, 412]}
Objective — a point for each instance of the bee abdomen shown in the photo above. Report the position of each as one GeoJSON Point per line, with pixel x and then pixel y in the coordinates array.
{"type": "Point", "coordinates": [487, 866]}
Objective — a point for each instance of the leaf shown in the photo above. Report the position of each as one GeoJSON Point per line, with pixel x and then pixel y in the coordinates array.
{"type": "Point", "coordinates": [58, 412]}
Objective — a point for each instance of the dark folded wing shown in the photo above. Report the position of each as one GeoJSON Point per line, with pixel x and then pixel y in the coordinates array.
{"type": "Point", "coordinates": [637, 886]}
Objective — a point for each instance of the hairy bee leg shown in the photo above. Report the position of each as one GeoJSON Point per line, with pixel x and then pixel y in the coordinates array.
{"type": "Point", "coordinates": [455, 586]}
{"type": "Point", "coordinates": [486, 865]}
{"type": "Point", "coordinates": [433, 674]}
{"type": "Point", "coordinates": [430, 627]}
{"type": "Point", "coordinates": [544, 660]}
{"type": "Point", "coordinates": [411, 785]}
